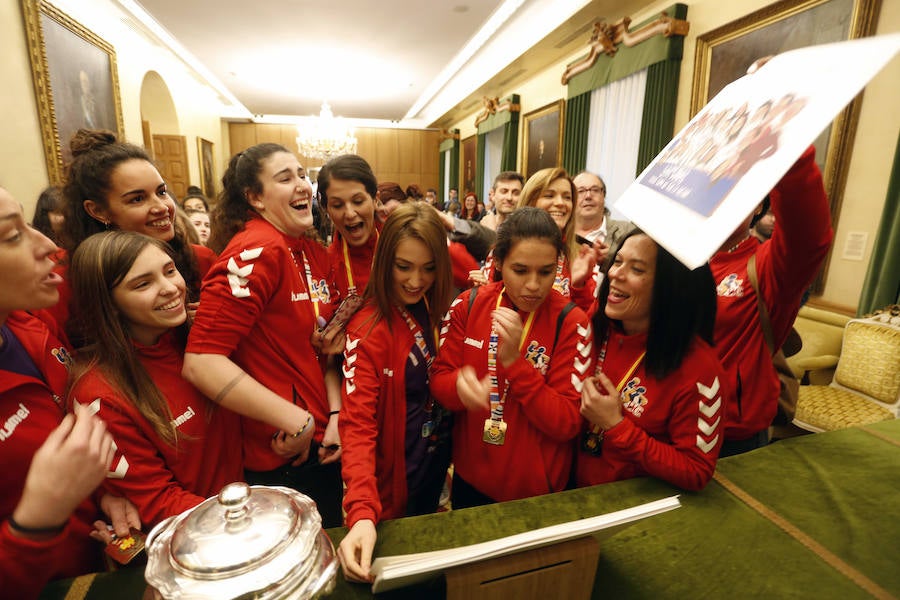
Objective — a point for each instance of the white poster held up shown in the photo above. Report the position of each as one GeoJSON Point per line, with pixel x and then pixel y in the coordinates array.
{"type": "Point", "coordinates": [718, 169]}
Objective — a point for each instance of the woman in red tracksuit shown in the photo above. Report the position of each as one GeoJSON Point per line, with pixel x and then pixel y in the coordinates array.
{"type": "Point", "coordinates": [112, 184]}
{"type": "Point", "coordinates": [786, 265]}
{"type": "Point", "coordinates": [255, 346]}
{"type": "Point", "coordinates": [396, 438]}
{"type": "Point", "coordinates": [174, 447]}
{"type": "Point", "coordinates": [553, 191]}
{"type": "Point", "coordinates": [511, 364]}
{"type": "Point", "coordinates": [657, 402]}
{"type": "Point", "coordinates": [51, 463]}
{"type": "Point", "coordinates": [348, 192]}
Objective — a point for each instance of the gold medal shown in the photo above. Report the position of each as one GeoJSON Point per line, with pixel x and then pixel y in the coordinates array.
{"type": "Point", "coordinates": [494, 432]}
{"type": "Point", "coordinates": [592, 442]}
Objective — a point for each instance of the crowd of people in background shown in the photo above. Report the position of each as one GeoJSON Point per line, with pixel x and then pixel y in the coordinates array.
{"type": "Point", "coordinates": [355, 340]}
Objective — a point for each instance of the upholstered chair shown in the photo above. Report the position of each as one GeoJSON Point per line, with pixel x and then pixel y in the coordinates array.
{"type": "Point", "coordinates": [866, 384]}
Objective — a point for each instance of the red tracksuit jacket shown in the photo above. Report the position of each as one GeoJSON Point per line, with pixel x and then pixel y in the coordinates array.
{"type": "Point", "coordinates": [373, 416]}
{"type": "Point", "coordinates": [541, 408]}
{"type": "Point", "coordinates": [29, 410]}
{"type": "Point", "coordinates": [672, 427]}
{"type": "Point", "coordinates": [255, 307]}
{"type": "Point", "coordinates": [786, 265]}
{"type": "Point", "coordinates": [159, 478]}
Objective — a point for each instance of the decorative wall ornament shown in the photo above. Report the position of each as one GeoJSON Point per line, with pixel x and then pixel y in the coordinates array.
{"type": "Point", "coordinates": [493, 106]}
{"type": "Point", "coordinates": [606, 38]}
{"type": "Point", "coordinates": [449, 134]}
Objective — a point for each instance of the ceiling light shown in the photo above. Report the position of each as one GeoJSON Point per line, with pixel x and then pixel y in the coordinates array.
{"type": "Point", "coordinates": [325, 136]}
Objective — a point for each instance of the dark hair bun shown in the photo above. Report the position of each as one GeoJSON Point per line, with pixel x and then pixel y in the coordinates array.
{"type": "Point", "coordinates": [86, 140]}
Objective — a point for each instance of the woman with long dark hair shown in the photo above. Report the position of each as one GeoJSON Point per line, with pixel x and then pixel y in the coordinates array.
{"type": "Point", "coordinates": [512, 357]}
{"type": "Point", "coordinates": [256, 346]}
{"type": "Point", "coordinates": [130, 301]}
{"type": "Point", "coordinates": [656, 402]}
{"type": "Point", "coordinates": [396, 451]}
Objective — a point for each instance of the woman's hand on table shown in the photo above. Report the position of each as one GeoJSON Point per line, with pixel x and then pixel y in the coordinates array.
{"type": "Point", "coordinates": [355, 551]}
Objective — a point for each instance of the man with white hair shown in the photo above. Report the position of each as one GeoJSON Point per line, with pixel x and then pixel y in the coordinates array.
{"type": "Point", "coordinates": [592, 220]}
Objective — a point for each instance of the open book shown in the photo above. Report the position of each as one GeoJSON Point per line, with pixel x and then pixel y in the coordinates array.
{"type": "Point", "coordinates": [393, 572]}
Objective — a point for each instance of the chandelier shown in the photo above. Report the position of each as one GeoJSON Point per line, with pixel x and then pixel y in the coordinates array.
{"type": "Point", "coordinates": [325, 136]}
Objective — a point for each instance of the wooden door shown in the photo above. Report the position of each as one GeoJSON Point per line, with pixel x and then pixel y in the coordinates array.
{"type": "Point", "coordinates": [170, 153]}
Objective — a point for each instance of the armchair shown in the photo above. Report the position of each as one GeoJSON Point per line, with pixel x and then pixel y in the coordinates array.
{"type": "Point", "coordinates": [821, 332]}
{"type": "Point", "coordinates": [866, 384]}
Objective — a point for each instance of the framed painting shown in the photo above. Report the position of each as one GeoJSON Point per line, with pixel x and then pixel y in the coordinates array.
{"type": "Point", "coordinates": [724, 54]}
{"type": "Point", "coordinates": [207, 171]}
{"type": "Point", "coordinates": [542, 141]}
{"type": "Point", "coordinates": [469, 164]}
{"type": "Point", "coordinates": [76, 81]}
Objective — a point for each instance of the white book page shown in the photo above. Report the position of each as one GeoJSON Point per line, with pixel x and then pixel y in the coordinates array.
{"type": "Point", "coordinates": [393, 572]}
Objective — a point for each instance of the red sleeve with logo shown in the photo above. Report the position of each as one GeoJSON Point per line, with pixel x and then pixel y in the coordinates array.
{"type": "Point", "coordinates": [29, 409]}
{"type": "Point", "coordinates": [373, 418]}
{"type": "Point", "coordinates": [672, 428]}
{"type": "Point", "coordinates": [159, 478]}
{"type": "Point", "coordinates": [541, 409]}
{"type": "Point", "coordinates": [256, 309]}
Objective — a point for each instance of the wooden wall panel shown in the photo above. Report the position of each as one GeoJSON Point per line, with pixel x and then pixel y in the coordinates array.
{"type": "Point", "coordinates": [402, 155]}
{"type": "Point", "coordinates": [242, 135]}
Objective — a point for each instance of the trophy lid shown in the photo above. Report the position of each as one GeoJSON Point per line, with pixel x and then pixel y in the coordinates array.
{"type": "Point", "coordinates": [246, 539]}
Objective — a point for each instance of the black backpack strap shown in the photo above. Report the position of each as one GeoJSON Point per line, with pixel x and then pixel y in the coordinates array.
{"type": "Point", "coordinates": [472, 293]}
{"type": "Point", "coordinates": [559, 322]}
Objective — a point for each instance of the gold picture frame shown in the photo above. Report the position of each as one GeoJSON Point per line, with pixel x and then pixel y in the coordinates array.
{"type": "Point", "coordinates": [207, 167]}
{"type": "Point", "coordinates": [543, 138]}
{"type": "Point", "coordinates": [76, 81]}
{"type": "Point", "coordinates": [723, 55]}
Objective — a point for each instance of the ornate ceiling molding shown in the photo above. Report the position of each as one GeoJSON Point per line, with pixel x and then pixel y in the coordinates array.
{"type": "Point", "coordinates": [606, 38]}
{"type": "Point", "coordinates": [493, 106]}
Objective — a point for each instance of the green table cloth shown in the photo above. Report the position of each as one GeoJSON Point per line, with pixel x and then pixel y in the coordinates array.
{"type": "Point", "coordinates": [810, 517]}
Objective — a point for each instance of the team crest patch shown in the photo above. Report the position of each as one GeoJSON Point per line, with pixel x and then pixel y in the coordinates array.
{"type": "Point", "coordinates": [561, 285]}
{"type": "Point", "coordinates": [321, 291]}
{"type": "Point", "coordinates": [62, 355]}
{"type": "Point", "coordinates": [537, 356]}
{"type": "Point", "coordinates": [732, 286]}
{"type": "Point", "coordinates": [633, 398]}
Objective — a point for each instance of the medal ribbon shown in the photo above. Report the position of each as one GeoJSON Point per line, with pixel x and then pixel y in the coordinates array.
{"type": "Point", "coordinates": [558, 281]}
{"type": "Point", "coordinates": [351, 287]}
{"type": "Point", "coordinates": [596, 428]}
{"type": "Point", "coordinates": [419, 339]}
{"type": "Point", "coordinates": [313, 291]}
{"type": "Point", "coordinates": [494, 395]}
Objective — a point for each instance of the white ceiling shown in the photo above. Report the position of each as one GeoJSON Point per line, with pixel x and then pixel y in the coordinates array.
{"type": "Point", "coordinates": [411, 61]}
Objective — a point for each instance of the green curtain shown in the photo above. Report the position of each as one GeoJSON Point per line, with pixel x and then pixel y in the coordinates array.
{"type": "Point", "coordinates": [658, 120]}
{"type": "Point", "coordinates": [629, 60]}
{"type": "Point", "coordinates": [510, 145]}
{"type": "Point", "coordinates": [575, 134]}
{"type": "Point", "coordinates": [509, 120]}
{"type": "Point", "coordinates": [479, 169]}
{"type": "Point", "coordinates": [882, 284]}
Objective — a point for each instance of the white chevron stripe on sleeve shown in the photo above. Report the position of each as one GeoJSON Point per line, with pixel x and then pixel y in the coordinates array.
{"type": "Point", "coordinates": [707, 446]}
{"type": "Point", "coordinates": [710, 410]}
{"type": "Point", "coordinates": [577, 383]}
{"type": "Point", "coordinates": [582, 366]}
{"type": "Point", "coordinates": [251, 254]}
{"type": "Point", "coordinates": [708, 392]}
{"type": "Point", "coordinates": [708, 429]}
